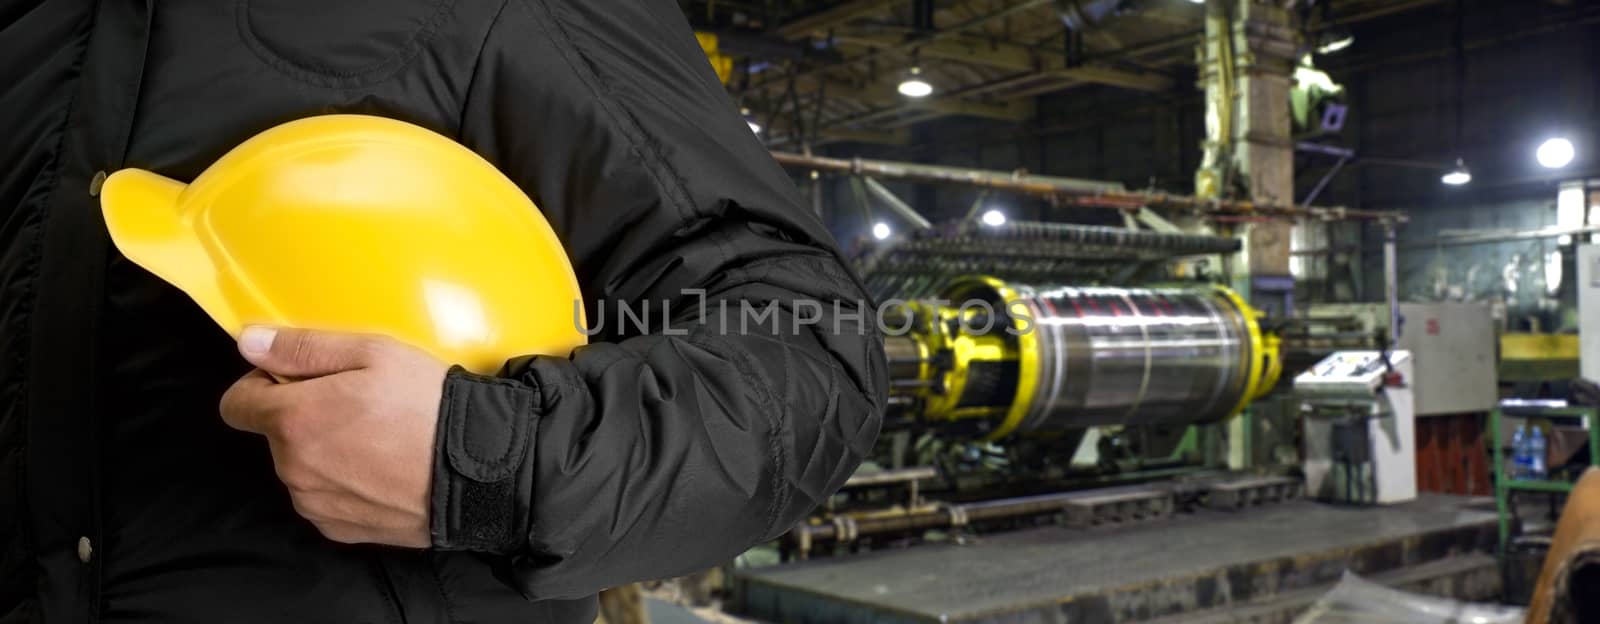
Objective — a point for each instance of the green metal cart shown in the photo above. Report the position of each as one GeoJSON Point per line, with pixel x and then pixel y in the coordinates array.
{"type": "Point", "coordinates": [1504, 486]}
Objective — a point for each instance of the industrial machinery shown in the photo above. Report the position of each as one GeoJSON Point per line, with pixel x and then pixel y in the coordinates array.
{"type": "Point", "coordinates": [994, 359]}
{"type": "Point", "coordinates": [1452, 343]}
{"type": "Point", "coordinates": [1080, 374]}
{"type": "Point", "coordinates": [1360, 427]}
{"type": "Point", "coordinates": [1025, 388]}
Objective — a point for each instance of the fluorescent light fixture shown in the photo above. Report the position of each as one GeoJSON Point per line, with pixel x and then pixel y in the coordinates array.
{"type": "Point", "coordinates": [1457, 176]}
{"type": "Point", "coordinates": [914, 86]}
{"type": "Point", "coordinates": [1555, 153]}
{"type": "Point", "coordinates": [994, 218]}
{"type": "Point", "coordinates": [1335, 44]}
{"type": "Point", "coordinates": [880, 230]}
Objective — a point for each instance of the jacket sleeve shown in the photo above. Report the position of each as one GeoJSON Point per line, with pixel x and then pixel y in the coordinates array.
{"type": "Point", "coordinates": [658, 449]}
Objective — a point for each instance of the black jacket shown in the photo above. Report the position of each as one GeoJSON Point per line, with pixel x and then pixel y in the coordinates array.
{"type": "Point", "coordinates": [123, 497]}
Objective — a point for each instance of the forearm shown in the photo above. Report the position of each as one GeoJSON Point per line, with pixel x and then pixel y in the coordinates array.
{"type": "Point", "coordinates": [663, 454]}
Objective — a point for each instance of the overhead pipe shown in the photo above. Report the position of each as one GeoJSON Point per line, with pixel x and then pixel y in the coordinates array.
{"type": "Point", "coordinates": [1072, 192]}
{"type": "Point", "coordinates": [1041, 232]}
{"type": "Point", "coordinates": [891, 477]}
{"type": "Point", "coordinates": [899, 207]}
{"type": "Point", "coordinates": [918, 172]}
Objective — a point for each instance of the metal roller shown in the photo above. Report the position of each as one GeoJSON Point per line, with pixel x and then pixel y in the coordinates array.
{"type": "Point", "coordinates": [1024, 359]}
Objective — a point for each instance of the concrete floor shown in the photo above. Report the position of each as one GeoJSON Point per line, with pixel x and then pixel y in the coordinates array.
{"type": "Point", "coordinates": [1194, 561]}
{"type": "Point", "coordinates": [663, 612]}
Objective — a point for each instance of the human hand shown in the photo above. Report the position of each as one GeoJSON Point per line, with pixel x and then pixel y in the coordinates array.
{"type": "Point", "coordinates": [352, 436]}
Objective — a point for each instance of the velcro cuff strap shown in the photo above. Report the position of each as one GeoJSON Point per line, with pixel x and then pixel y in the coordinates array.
{"type": "Point", "coordinates": [482, 475]}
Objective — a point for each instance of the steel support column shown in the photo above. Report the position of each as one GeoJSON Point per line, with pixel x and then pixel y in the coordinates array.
{"type": "Point", "coordinates": [1245, 62]}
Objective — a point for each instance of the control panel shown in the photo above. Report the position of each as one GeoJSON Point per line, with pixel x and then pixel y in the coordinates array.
{"type": "Point", "coordinates": [1350, 372]}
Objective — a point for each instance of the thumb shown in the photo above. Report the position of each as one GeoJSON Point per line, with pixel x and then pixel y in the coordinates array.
{"type": "Point", "coordinates": [304, 353]}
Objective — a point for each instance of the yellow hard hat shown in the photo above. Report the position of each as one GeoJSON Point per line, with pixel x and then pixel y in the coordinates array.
{"type": "Point", "coordinates": [363, 224]}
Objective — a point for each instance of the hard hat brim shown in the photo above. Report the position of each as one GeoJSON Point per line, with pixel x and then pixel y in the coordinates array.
{"type": "Point", "coordinates": [142, 215]}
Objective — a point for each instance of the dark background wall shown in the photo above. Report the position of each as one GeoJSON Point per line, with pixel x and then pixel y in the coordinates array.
{"type": "Point", "coordinates": [1486, 82]}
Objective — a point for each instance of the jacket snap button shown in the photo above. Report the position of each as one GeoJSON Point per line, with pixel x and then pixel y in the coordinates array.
{"type": "Point", "coordinates": [95, 184]}
{"type": "Point", "coordinates": [85, 550]}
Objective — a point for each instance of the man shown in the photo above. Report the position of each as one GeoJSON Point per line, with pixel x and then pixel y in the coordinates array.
{"type": "Point", "coordinates": [381, 486]}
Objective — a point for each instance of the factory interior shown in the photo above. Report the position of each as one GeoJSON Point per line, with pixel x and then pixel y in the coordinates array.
{"type": "Point", "coordinates": [1204, 311]}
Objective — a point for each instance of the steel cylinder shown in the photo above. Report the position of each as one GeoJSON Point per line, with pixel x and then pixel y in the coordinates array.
{"type": "Point", "coordinates": [908, 358]}
{"type": "Point", "coordinates": [1081, 357]}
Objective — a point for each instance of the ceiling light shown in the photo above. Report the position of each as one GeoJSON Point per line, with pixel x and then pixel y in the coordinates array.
{"type": "Point", "coordinates": [1555, 153]}
{"type": "Point", "coordinates": [914, 86]}
{"type": "Point", "coordinates": [880, 230]}
{"type": "Point", "coordinates": [1457, 176]}
{"type": "Point", "coordinates": [994, 218]}
{"type": "Point", "coordinates": [1197, 1]}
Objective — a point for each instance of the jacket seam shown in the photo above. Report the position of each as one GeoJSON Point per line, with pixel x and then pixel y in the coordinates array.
{"type": "Point", "coordinates": [781, 495]}
{"type": "Point", "coordinates": [477, 64]}
{"type": "Point", "coordinates": [521, 519]}
{"type": "Point", "coordinates": [627, 123]}
{"type": "Point", "coordinates": [447, 524]}
{"type": "Point", "coordinates": [769, 405]}
{"type": "Point", "coordinates": [444, 594]}
{"type": "Point", "coordinates": [328, 77]}
{"type": "Point", "coordinates": [36, 271]}
{"type": "Point", "coordinates": [777, 422]}
{"type": "Point", "coordinates": [386, 588]}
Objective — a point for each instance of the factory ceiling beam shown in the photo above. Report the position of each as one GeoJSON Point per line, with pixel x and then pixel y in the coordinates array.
{"type": "Point", "coordinates": [888, 106]}
{"type": "Point", "coordinates": [884, 102]}
{"type": "Point", "coordinates": [821, 22]}
{"type": "Point", "coordinates": [1389, 8]}
{"type": "Point", "coordinates": [880, 97]}
{"type": "Point", "coordinates": [897, 136]}
{"type": "Point", "coordinates": [1009, 111]}
{"type": "Point", "coordinates": [1035, 83]}
{"type": "Point", "coordinates": [976, 22]}
{"type": "Point", "coordinates": [1170, 14]}
{"type": "Point", "coordinates": [1013, 57]}
{"type": "Point", "coordinates": [1034, 68]}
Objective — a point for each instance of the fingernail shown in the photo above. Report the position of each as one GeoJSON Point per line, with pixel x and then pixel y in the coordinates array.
{"type": "Point", "coordinates": [257, 340]}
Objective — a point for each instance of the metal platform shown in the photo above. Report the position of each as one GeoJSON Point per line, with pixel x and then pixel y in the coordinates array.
{"type": "Point", "coordinates": [1192, 563]}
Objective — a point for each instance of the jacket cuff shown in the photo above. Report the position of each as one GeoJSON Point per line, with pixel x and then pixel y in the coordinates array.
{"type": "Point", "coordinates": [482, 472]}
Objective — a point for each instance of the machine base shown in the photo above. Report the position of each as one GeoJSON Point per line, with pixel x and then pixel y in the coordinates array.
{"type": "Point", "coordinates": [1201, 563]}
